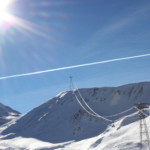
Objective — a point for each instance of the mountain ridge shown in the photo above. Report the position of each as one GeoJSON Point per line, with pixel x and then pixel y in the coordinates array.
{"type": "Point", "coordinates": [7, 114]}
{"type": "Point", "coordinates": [61, 119]}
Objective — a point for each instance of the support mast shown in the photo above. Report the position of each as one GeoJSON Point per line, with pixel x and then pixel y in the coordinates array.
{"type": "Point", "coordinates": [144, 135]}
{"type": "Point", "coordinates": [71, 83]}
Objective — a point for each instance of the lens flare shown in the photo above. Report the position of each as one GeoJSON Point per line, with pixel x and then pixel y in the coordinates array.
{"type": "Point", "coordinates": [6, 19]}
{"type": "Point", "coordinates": [31, 21]}
{"type": "Point", "coordinates": [3, 9]}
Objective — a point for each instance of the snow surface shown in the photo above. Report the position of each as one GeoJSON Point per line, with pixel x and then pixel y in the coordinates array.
{"type": "Point", "coordinates": [62, 124]}
{"type": "Point", "coordinates": [120, 137]}
{"type": "Point", "coordinates": [7, 114]}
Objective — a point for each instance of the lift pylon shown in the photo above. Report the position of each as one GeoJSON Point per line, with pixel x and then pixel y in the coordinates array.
{"type": "Point", "coordinates": [71, 84]}
{"type": "Point", "coordinates": [144, 135]}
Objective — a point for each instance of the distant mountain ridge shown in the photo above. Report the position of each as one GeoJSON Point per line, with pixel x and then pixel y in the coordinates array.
{"type": "Point", "coordinates": [7, 114]}
{"type": "Point", "coordinates": [62, 119]}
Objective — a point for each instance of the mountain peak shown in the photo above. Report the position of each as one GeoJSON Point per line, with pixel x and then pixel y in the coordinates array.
{"type": "Point", "coordinates": [62, 119]}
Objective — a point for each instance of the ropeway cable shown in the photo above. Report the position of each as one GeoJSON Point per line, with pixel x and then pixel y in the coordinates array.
{"type": "Point", "coordinates": [119, 113]}
{"type": "Point", "coordinates": [91, 108]}
{"type": "Point", "coordinates": [95, 115]}
{"type": "Point", "coordinates": [98, 114]}
{"type": "Point", "coordinates": [85, 101]}
{"type": "Point", "coordinates": [84, 107]}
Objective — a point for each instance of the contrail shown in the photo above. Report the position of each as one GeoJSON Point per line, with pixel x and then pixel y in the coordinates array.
{"type": "Point", "coordinates": [75, 66]}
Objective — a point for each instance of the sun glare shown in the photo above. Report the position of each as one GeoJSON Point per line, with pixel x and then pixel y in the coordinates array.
{"type": "Point", "coordinates": [5, 16]}
{"type": "Point", "coordinates": [9, 20]}
{"type": "Point", "coordinates": [3, 10]}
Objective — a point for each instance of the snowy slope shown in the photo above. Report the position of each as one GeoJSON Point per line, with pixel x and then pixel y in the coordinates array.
{"type": "Point", "coordinates": [7, 114]}
{"type": "Point", "coordinates": [123, 136]}
{"type": "Point", "coordinates": [62, 123]}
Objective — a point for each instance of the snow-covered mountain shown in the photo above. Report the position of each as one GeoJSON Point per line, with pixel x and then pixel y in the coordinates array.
{"type": "Point", "coordinates": [61, 123]}
{"type": "Point", "coordinates": [7, 114]}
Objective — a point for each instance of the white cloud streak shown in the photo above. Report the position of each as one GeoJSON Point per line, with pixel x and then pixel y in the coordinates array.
{"type": "Point", "coordinates": [75, 66]}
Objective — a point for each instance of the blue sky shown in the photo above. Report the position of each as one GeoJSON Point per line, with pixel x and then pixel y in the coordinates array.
{"type": "Point", "coordinates": [59, 33]}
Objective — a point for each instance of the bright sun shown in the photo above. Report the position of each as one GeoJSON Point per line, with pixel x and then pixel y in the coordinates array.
{"type": "Point", "coordinates": [10, 21]}
{"type": "Point", "coordinates": [4, 12]}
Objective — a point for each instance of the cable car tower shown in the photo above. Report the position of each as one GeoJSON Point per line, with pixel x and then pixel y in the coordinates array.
{"type": "Point", "coordinates": [71, 84]}
{"type": "Point", "coordinates": [144, 135]}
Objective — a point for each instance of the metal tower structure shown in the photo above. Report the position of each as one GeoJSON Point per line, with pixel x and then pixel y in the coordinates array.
{"type": "Point", "coordinates": [144, 135]}
{"type": "Point", "coordinates": [71, 84]}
